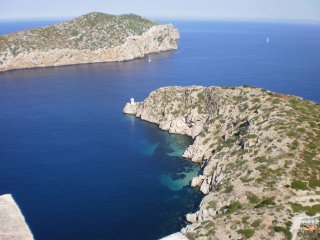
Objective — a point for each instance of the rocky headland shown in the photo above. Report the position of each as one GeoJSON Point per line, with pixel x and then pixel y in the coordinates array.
{"type": "Point", "coordinates": [12, 222]}
{"type": "Point", "coordinates": [91, 38]}
{"type": "Point", "coordinates": [259, 152]}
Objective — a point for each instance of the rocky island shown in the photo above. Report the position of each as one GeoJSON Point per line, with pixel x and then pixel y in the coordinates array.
{"type": "Point", "coordinates": [260, 156]}
{"type": "Point", "coordinates": [95, 37]}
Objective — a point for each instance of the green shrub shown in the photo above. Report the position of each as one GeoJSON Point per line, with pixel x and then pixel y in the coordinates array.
{"type": "Point", "coordinates": [206, 141]}
{"type": "Point", "coordinates": [286, 231]}
{"type": "Point", "coordinates": [276, 101]}
{"type": "Point", "coordinates": [247, 233]}
{"type": "Point", "coordinates": [245, 219]}
{"type": "Point", "coordinates": [212, 204]}
{"type": "Point", "coordinates": [246, 179]}
{"type": "Point", "coordinates": [200, 95]}
{"type": "Point", "coordinates": [298, 185]}
{"type": "Point", "coordinates": [233, 207]}
{"type": "Point", "coordinates": [296, 207]}
{"type": "Point", "coordinates": [261, 159]}
{"type": "Point", "coordinates": [191, 236]}
{"type": "Point", "coordinates": [210, 232]}
{"type": "Point", "coordinates": [256, 223]}
{"type": "Point", "coordinates": [312, 145]}
{"type": "Point", "coordinates": [253, 199]}
{"type": "Point", "coordinates": [313, 183]}
{"type": "Point", "coordinates": [176, 112]}
{"type": "Point", "coordinates": [294, 145]}
{"type": "Point", "coordinates": [266, 202]}
{"type": "Point", "coordinates": [308, 155]}
{"type": "Point", "coordinates": [228, 188]}
{"type": "Point", "coordinates": [313, 210]}
{"type": "Point", "coordinates": [309, 210]}
{"type": "Point", "coordinates": [230, 142]}
{"type": "Point", "coordinates": [292, 134]}
{"type": "Point", "coordinates": [301, 130]}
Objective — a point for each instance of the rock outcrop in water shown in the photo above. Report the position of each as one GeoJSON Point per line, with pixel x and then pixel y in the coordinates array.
{"type": "Point", "coordinates": [12, 223]}
{"type": "Point", "coordinates": [259, 151]}
{"type": "Point", "coordinates": [95, 37]}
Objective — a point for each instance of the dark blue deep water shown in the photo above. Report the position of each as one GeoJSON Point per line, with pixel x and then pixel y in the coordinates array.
{"type": "Point", "coordinates": [80, 169]}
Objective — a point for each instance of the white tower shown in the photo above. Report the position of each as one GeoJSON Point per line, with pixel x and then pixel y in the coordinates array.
{"type": "Point", "coordinates": [132, 101]}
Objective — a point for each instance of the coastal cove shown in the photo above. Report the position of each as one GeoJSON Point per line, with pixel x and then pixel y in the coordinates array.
{"type": "Point", "coordinates": [79, 168]}
{"type": "Point", "coordinates": [246, 173]}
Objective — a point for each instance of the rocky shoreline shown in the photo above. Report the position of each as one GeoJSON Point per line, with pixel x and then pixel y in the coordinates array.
{"type": "Point", "coordinates": [12, 222]}
{"type": "Point", "coordinates": [253, 145]}
{"type": "Point", "coordinates": [111, 38]}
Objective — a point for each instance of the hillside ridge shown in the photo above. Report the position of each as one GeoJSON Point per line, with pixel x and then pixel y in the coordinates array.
{"type": "Point", "coordinates": [259, 155]}
{"type": "Point", "coordinates": [94, 37]}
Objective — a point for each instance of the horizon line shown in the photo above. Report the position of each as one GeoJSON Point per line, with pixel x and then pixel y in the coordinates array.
{"type": "Point", "coordinates": [167, 18]}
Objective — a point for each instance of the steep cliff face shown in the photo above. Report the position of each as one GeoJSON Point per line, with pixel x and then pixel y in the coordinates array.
{"type": "Point", "coordinates": [12, 222]}
{"type": "Point", "coordinates": [258, 153]}
{"type": "Point", "coordinates": [95, 37]}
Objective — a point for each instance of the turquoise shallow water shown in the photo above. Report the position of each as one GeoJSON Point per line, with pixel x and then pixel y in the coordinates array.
{"type": "Point", "coordinates": [176, 146]}
{"type": "Point", "coordinates": [179, 180]}
{"type": "Point", "coordinates": [80, 169]}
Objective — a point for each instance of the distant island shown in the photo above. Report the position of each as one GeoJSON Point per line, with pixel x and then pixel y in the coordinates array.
{"type": "Point", "coordinates": [260, 156]}
{"type": "Point", "coordinates": [91, 38]}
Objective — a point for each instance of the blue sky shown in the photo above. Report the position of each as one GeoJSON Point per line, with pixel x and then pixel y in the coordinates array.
{"type": "Point", "coordinates": [166, 9]}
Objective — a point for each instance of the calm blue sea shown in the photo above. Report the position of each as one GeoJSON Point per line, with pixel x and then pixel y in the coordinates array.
{"type": "Point", "coordinates": [80, 169]}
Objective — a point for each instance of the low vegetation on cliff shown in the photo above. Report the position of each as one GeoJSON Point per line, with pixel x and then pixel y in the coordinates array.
{"type": "Point", "coordinates": [95, 37]}
{"type": "Point", "coordinates": [91, 31]}
{"type": "Point", "coordinates": [260, 155]}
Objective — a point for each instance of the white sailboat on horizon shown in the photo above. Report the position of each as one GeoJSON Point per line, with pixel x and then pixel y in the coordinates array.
{"type": "Point", "coordinates": [149, 59]}
{"type": "Point", "coordinates": [267, 40]}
